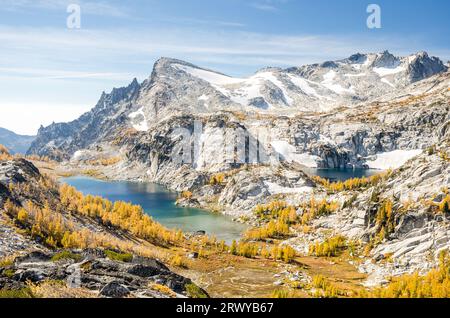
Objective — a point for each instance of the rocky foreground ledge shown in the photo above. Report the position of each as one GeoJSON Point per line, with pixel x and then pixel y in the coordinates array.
{"type": "Point", "coordinates": [92, 273]}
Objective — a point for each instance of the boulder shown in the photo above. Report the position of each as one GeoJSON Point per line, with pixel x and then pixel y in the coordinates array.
{"type": "Point", "coordinates": [115, 290]}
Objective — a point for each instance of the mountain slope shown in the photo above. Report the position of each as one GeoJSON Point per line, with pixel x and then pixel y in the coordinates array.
{"type": "Point", "coordinates": [56, 241]}
{"type": "Point", "coordinates": [177, 87]}
{"type": "Point", "coordinates": [14, 142]}
{"type": "Point", "coordinates": [102, 122]}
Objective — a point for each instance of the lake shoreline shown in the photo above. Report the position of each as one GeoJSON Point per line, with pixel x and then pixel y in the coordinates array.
{"type": "Point", "coordinates": [160, 203]}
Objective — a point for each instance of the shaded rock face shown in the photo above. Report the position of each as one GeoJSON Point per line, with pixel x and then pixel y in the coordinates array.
{"type": "Point", "coordinates": [60, 140]}
{"type": "Point", "coordinates": [4, 194]}
{"type": "Point", "coordinates": [424, 66]}
{"type": "Point", "coordinates": [94, 272]}
{"type": "Point", "coordinates": [115, 290]}
{"type": "Point", "coordinates": [386, 60]}
{"type": "Point", "coordinates": [17, 171]}
{"type": "Point", "coordinates": [151, 267]}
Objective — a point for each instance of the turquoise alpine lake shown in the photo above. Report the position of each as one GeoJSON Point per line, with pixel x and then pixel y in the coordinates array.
{"type": "Point", "coordinates": [159, 203]}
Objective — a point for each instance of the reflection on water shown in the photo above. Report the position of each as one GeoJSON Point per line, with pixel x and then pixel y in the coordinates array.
{"type": "Point", "coordinates": [160, 204]}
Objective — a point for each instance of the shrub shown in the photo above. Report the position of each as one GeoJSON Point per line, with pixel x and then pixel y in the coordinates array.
{"type": "Point", "coordinates": [233, 248]}
{"type": "Point", "coordinates": [16, 293]}
{"type": "Point", "coordinates": [9, 273]}
{"type": "Point", "coordinates": [7, 261]}
{"type": "Point", "coordinates": [186, 195]}
{"type": "Point", "coordinates": [274, 229]}
{"type": "Point", "coordinates": [217, 179]}
{"type": "Point", "coordinates": [163, 290]}
{"type": "Point", "coordinates": [270, 211]}
{"type": "Point", "coordinates": [247, 249]}
{"type": "Point", "coordinates": [385, 219]}
{"type": "Point", "coordinates": [352, 184]}
{"type": "Point", "coordinates": [117, 256]}
{"type": "Point", "coordinates": [105, 161]}
{"type": "Point", "coordinates": [436, 284]}
{"type": "Point", "coordinates": [65, 255]}
{"type": "Point", "coordinates": [315, 209]}
{"type": "Point", "coordinates": [280, 293]}
{"type": "Point", "coordinates": [194, 291]}
{"type": "Point", "coordinates": [22, 216]}
{"type": "Point", "coordinates": [4, 153]}
{"type": "Point", "coordinates": [444, 207]}
{"type": "Point", "coordinates": [329, 248]}
{"type": "Point", "coordinates": [329, 290]}
{"type": "Point", "coordinates": [4, 150]}
{"type": "Point", "coordinates": [178, 261]}
{"type": "Point", "coordinates": [282, 253]}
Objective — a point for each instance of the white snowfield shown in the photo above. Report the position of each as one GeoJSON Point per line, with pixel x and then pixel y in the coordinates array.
{"type": "Point", "coordinates": [392, 160]}
{"type": "Point", "coordinates": [79, 155]}
{"type": "Point", "coordinates": [320, 88]}
{"type": "Point", "coordinates": [277, 189]}
{"type": "Point", "coordinates": [139, 120]}
{"type": "Point", "coordinates": [243, 90]}
{"type": "Point", "coordinates": [384, 71]}
{"type": "Point", "coordinates": [329, 82]}
{"type": "Point", "coordinates": [290, 154]}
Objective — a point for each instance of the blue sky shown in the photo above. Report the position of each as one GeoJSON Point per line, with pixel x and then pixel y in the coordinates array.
{"type": "Point", "coordinates": [51, 73]}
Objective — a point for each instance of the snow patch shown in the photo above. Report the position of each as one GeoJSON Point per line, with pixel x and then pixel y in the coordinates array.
{"type": "Point", "coordinates": [303, 84]}
{"type": "Point", "coordinates": [337, 88]}
{"type": "Point", "coordinates": [209, 76]}
{"type": "Point", "coordinates": [387, 82]}
{"type": "Point", "coordinates": [384, 71]}
{"type": "Point", "coordinates": [290, 154]}
{"type": "Point", "coordinates": [392, 160]}
{"type": "Point", "coordinates": [80, 155]}
{"type": "Point", "coordinates": [139, 120]}
{"type": "Point", "coordinates": [277, 189]}
{"type": "Point", "coordinates": [355, 75]}
{"type": "Point", "coordinates": [268, 76]}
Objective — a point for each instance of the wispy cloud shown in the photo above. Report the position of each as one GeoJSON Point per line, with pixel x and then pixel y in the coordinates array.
{"type": "Point", "coordinates": [38, 73]}
{"type": "Point", "coordinates": [268, 5]}
{"type": "Point", "coordinates": [89, 49]}
{"type": "Point", "coordinates": [205, 22]}
{"type": "Point", "coordinates": [264, 6]}
{"type": "Point", "coordinates": [62, 67]}
{"type": "Point", "coordinates": [100, 8]}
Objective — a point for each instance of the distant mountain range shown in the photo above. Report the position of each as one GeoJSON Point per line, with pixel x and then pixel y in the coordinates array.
{"type": "Point", "coordinates": [14, 142]}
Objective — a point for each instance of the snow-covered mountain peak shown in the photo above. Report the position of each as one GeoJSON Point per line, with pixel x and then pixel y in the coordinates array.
{"type": "Point", "coordinates": [385, 60]}
{"type": "Point", "coordinates": [315, 87]}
